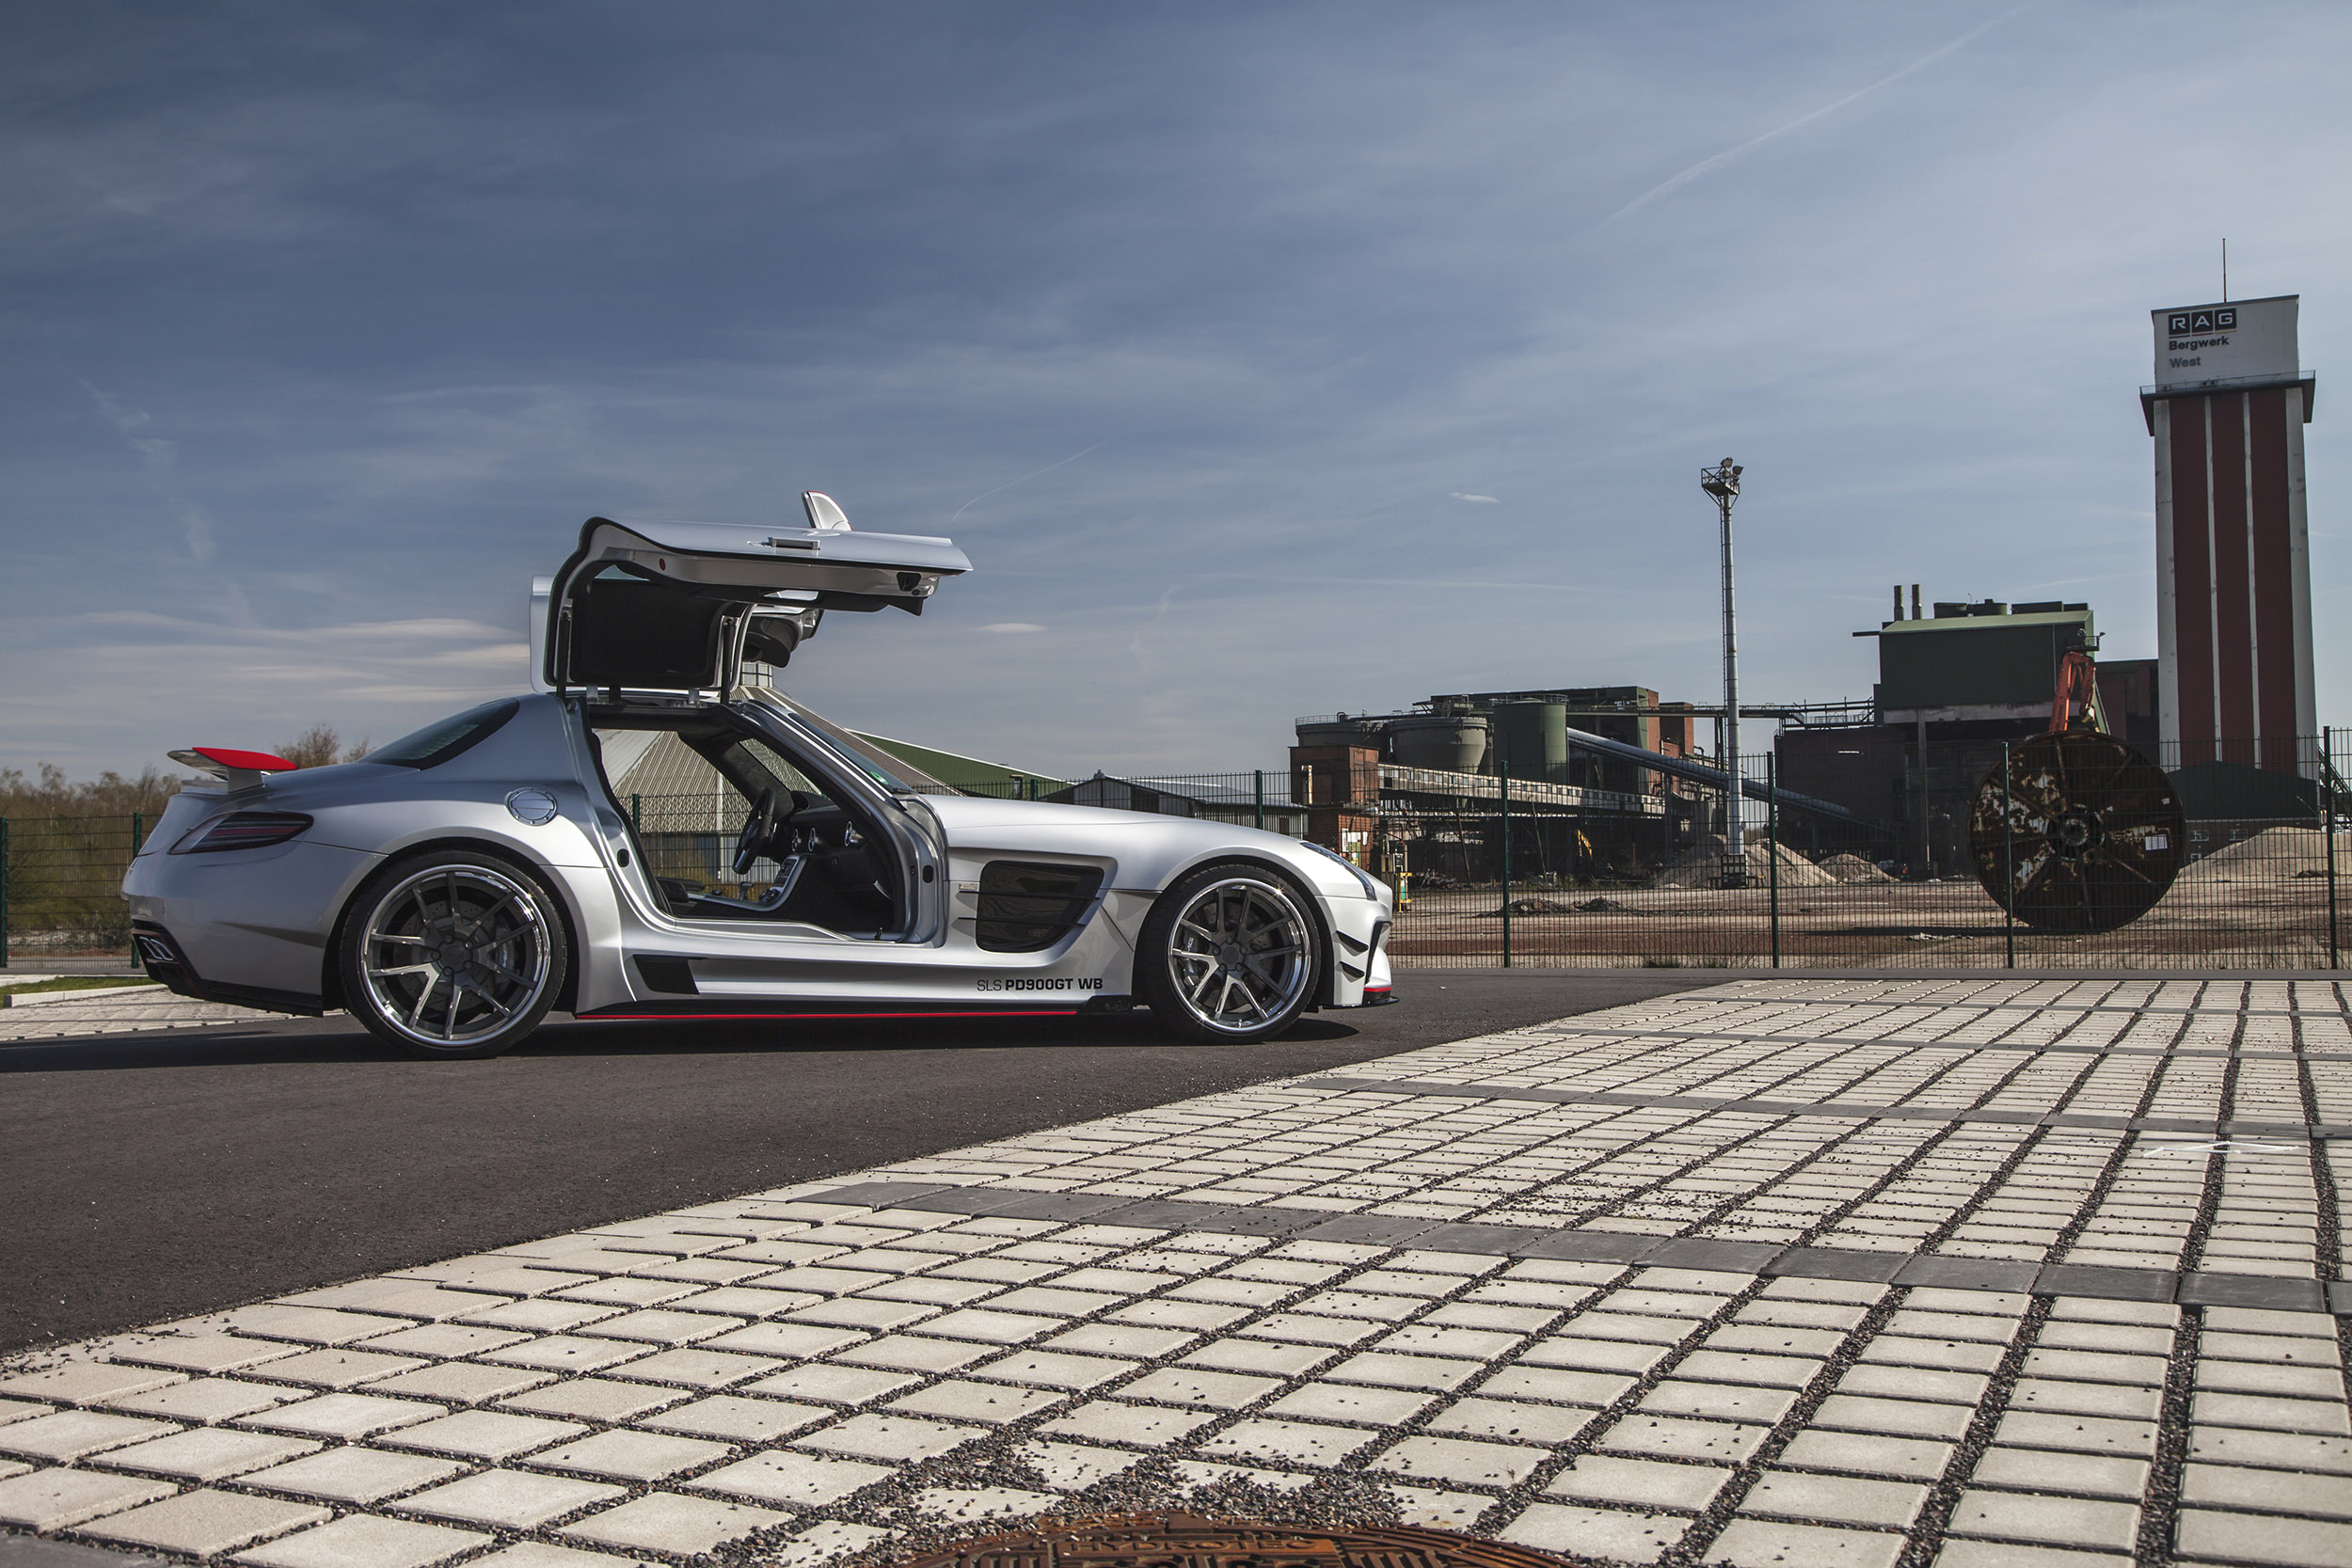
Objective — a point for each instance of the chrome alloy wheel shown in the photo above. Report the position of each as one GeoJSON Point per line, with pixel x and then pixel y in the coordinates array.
{"type": "Point", "coordinates": [454, 953]}
{"type": "Point", "coordinates": [1240, 955]}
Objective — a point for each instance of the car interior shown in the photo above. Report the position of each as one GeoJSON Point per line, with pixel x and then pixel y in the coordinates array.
{"type": "Point", "coordinates": [741, 831]}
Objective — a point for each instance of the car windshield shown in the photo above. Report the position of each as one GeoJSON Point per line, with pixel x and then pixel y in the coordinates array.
{"type": "Point", "coordinates": [892, 773]}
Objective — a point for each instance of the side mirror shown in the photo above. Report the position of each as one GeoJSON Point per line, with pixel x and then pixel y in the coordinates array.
{"type": "Point", "coordinates": [824, 511]}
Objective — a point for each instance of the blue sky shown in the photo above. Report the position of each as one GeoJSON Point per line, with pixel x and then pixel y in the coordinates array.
{"type": "Point", "coordinates": [1267, 360]}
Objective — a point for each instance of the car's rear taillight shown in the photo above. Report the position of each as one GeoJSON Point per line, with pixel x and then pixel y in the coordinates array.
{"type": "Point", "coordinates": [243, 830]}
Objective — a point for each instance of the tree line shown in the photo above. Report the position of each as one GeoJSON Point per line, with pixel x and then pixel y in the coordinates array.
{"type": "Point", "coordinates": [47, 793]}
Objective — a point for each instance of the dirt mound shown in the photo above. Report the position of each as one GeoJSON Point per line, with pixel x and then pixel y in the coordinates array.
{"type": "Point", "coordinates": [1526, 906]}
{"type": "Point", "coordinates": [1702, 867]}
{"type": "Point", "coordinates": [1853, 868]}
{"type": "Point", "coordinates": [2275, 854]}
{"type": "Point", "coordinates": [1545, 906]}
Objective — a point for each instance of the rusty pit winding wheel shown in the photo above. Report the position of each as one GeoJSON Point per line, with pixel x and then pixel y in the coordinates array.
{"type": "Point", "coordinates": [1185, 1541]}
{"type": "Point", "coordinates": [2089, 838]}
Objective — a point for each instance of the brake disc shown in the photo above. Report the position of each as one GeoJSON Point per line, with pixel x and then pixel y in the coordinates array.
{"type": "Point", "coordinates": [2089, 837]}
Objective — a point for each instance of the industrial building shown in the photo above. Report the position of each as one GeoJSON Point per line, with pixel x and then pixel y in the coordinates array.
{"type": "Point", "coordinates": [1954, 687]}
{"type": "Point", "coordinates": [2229, 705]}
{"type": "Point", "coordinates": [1422, 786]}
{"type": "Point", "coordinates": [1525, 731]}
{"type": "Point", "coordinates": [1890, 778]}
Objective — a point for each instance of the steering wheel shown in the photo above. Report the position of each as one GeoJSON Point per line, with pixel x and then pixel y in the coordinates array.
{"type": "Point", "coordinates": [759, 830]}
{"type": "Point", "coordinates": [769, 815]}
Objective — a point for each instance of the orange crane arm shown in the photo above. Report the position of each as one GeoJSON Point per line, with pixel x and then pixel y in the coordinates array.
{"type": "Point", "coordinates": [2076, 703]}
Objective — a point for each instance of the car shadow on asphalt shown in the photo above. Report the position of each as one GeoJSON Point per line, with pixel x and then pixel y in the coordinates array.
{"type": "Point", "coordinates": [624, 1037]}
{"type": "Point", "coordinates": [342, 1042]}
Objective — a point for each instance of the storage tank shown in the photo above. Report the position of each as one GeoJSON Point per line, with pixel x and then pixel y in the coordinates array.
{"type": "Point", "coordinates": [1535, 739]}
{"type": "Point", "coordinates": [1340, 730]}
{"type": "Point", "coordinates": [1453, 742]}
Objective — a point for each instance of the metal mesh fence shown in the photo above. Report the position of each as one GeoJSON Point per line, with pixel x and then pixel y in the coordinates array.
{"type": "Point", "coordinates": [1861, 865]}
{"type": "Point", "coordinates": [1846, 865]}
{"type": "Point", "coordinates": [61, 883]}
{"type": "Point", "coordinates": [690, 838]}
{"type": "Point", "coordinates": [2247, 875]}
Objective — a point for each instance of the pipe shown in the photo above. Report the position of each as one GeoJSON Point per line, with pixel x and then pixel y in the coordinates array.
{"type": "Point", "coordinates": [1699, 772]}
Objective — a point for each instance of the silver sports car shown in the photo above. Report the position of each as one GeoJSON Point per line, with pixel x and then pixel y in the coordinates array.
{"type": "Point", "coordinates": [460, 883]}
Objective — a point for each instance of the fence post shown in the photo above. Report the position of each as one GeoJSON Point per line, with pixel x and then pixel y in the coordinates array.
{"type": "Point", "coordinates": [1260, 824]}
{"type": "Point", "coordinates": [4, 892]}
{"type": "Point", "coordinates": [2009, 869]}
{"type": "Point", "coordinates": [138, 833]}
{"type": "Point", "coordinates": [636, 814]}
{"type": "Point", "coordinates": [1502, 800]}
{"type": "Point", "coordinates": [1772, 842]}
{"type": "Point", "coordinates": [2327, 772]}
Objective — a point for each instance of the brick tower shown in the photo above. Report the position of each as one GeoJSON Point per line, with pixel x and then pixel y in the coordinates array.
{"type": "Point", "coordinates": [2233, 588]}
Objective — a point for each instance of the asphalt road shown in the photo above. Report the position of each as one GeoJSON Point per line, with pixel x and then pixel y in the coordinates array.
{"type": "Point", "coordinates": [156, 1176]}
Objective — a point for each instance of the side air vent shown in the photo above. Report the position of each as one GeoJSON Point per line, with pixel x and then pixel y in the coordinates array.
{"type": "Point", "coordinates": [1027, 906]}
{"type": "Point", "coordinates": [667, 975]}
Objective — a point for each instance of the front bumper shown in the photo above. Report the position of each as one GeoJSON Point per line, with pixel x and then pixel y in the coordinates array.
{"type": "Point", "coordinates": [1359, 958]}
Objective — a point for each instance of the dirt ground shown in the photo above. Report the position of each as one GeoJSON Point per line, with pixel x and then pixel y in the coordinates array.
{"type": "Point", "coordinates": [2202, 923]}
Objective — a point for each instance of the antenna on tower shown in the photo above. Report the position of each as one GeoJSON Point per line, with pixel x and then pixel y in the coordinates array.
{"type": "Point", "coordinates": [2225, 269]}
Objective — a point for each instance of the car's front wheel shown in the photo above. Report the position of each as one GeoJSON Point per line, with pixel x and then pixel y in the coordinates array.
{"type": "Point", "coordinates": [453, 953]}
{"type": "Point", "coordinates": [1228, 955]}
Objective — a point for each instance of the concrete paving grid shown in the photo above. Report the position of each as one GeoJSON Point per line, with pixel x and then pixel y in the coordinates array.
{"type": "Point", "coordinates": [1970, 1272]}
{"type": "Point", "coordinates": [118, 1012]}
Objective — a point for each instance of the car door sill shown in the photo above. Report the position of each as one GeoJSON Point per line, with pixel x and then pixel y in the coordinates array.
{"type": "Point", "coordinates": [721, 1008]}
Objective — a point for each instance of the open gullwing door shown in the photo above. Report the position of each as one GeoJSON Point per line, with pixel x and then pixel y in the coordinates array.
{"type": "Point", "coordinates": [675, 607]}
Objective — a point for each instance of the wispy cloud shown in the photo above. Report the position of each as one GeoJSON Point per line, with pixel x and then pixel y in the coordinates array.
{"type": "Point", "coordinates": [1010, 627]}
{"type": "Point", "coordinates": [1705, 165]}
{"type": "Point", "coordinates": [1159, 613]}
{"type": "Point", "coordinates": [1463, 496]}
{"type": "Point", "coordinates": [1022, 479]}
{"type": "Point", "coordinates": [159, 457]}
{"type": "Point", "coordinates": [128, 422]}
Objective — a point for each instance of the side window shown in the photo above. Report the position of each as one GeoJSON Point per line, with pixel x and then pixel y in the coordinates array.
{"type": "Point", "coordinates": [764, 767]}
{"type": "Point", "coordinates": [435, 744]}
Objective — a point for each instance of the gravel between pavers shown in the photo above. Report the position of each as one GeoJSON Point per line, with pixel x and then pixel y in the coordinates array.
{"type": "Point", "coordinates": [1689, 1409]}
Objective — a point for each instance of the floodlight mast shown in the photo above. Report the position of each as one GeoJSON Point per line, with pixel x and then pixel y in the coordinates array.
{"type": "Point", "coordinates": [1722, 483]}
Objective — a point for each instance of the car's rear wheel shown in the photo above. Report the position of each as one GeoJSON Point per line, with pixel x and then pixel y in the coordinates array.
{"type": "Point", "coordinates": [1228, 955]}
{"type": "Point", "coordinates": [453, 953]}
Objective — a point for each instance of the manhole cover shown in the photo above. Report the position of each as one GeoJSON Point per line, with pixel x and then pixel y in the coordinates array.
{"type": "Point", "coordinates": [1185, 1541]}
